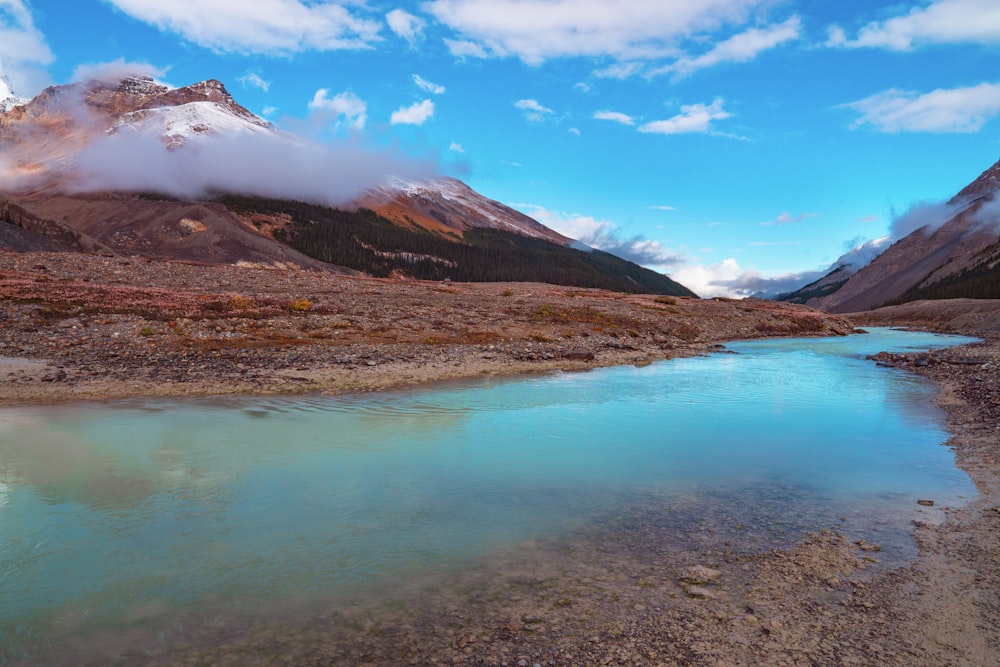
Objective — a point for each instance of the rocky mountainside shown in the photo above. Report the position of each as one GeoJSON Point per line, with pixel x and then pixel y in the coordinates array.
{"type": "Point", "coordinates": [449, 206]}
{"type": "Point", "coordinates": [957, 259]}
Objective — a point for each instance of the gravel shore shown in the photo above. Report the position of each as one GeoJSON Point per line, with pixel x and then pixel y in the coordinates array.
{"type": "Point", "coordinates": [86, 327]}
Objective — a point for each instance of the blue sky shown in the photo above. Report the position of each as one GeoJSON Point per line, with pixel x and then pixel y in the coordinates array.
{"type": "Point", "coordinates": [734, 144]}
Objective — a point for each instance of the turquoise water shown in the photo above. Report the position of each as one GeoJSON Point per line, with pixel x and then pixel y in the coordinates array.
{"type": "Point", "coordinates": [132, 515]}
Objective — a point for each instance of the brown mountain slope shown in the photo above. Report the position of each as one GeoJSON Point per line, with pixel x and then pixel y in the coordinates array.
{"type": "Point", "coordinates": [924, 257]}
{"type": "Point", "coordinates": [192, 231]}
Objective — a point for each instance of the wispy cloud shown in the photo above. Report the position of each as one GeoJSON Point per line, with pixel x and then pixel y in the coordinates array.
{"type": "Point", "coordinates": [116, 70]}
{"type": "Point", "coordinates": [739, 48]}
{"type": "Point", "coordinates": [625, 30]}
{"type": "Point", "coordinates": [346, 108]}
{"type": "Point", "coordinates": [939, 22]}
{"type": "Point", "coordinates": [619, 70]}
{"type": "Point", "coordinates": [261, 26]}
{"type": "Point", "coordinates": [254, 80]}
{"type": "Point", "coordinates": [615, 117]}
{"type": "Point", "coordinates": [692, 118]}
{"type": "Point", "coordinates": [406, 25]}
{"type": "Point", "coordinates": [415, 114]}
{"type": "Point", "coordinates": [942, 110]}
{"type": "Point", "coordinates": [662, 208]}
{"type": "Point", "coordinates": [456, 147]}
{"type": "Point", "coordinates": [427, 86]}
{"type": "Point", "coordinates": [605, 235]}
{"type": "Point", "coordinates": [786, 218]}
{"type": "Point", "coordinates": [534, 111]}
{"type": "Point", "coordinates": [463, 48]}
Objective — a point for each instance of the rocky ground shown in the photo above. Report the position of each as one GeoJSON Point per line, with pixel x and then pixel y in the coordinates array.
{"type": "Point", "coordinates": [104, 327]}
{"type": "Point", "coordinates": [81, 326]}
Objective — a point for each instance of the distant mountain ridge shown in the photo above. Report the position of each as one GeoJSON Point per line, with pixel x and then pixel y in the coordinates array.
{"type": "Point", "coordinates": [482, 238]}
{"type": "Point", "coordinates": [959, 258]}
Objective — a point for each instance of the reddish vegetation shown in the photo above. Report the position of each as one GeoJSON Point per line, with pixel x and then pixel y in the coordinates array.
{"type": "Point", "coordinates": [184, 327]}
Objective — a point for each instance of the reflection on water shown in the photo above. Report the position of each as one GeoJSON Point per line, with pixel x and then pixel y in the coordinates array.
{"type": "Point", "coordinates": [136, 516]}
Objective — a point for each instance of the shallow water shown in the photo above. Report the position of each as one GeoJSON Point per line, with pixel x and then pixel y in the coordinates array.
{"type": "Point", "coordinates": [118, 520]}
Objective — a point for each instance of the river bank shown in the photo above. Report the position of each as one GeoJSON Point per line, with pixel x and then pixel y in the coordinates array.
{"type": "Point", "coordinates": [81, 327]}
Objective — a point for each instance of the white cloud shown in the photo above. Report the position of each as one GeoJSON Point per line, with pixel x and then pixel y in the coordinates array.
{"type": "Point", "coordinates": [254, 80]}
{"type": "Point", "coordinates": [534, 111]}
{"type": "Point", "coordinates": [615, 117]}
{"type": "Point", "coordinates": [269, 111]}
{"type": "Point", "coordinates": [786, 218]}
{"type": "Point", "coordinates": [739, 48]}
{"type": "Point", "coordinates": [456, 147]}
{"type": "Point", "coordinates": [462, 48]}
{"type": "Point", "coordinates": [942, 110]}
{"type": "Point", "coordinates": [426, 85]}
{"type": "Point", "coordinates": [605, 235]}
{"type": "Point", "coordinates": [537, 30]}
{"type": "Point", "coordinates": [574, 131]}
{"type": "Point", "coordinates": [939, 22]}
{"type": "Point", "coordinates": [692, 118]}
{"type": "Point", "coordinates": [415, 114]}
{"type": "Point", "coordinates": [344, 105]}
{"type": "Point", "coordinates": [581, 87]}
{"type": "Point", "coordinates": [23, 49]}
{"type": "Point", "coordinates": [406, 25]}
{"type": "Point", "coordinates": [619, 70]}
{"type": "Point", "coordinates": [116, 70]}
{"type": "Point", "coordinates": [257, 26]}
{"type": "Point", "coordinates": [662, 208]}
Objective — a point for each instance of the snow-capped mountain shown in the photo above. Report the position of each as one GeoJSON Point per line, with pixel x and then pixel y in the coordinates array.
{"type": "Point", "coordinates": [8, 99]}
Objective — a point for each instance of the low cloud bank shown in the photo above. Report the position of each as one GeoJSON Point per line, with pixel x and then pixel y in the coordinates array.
{"type": "Point", "coordinates": [265, 164]}
{"type": "Point", "coordinates": [929, 216]}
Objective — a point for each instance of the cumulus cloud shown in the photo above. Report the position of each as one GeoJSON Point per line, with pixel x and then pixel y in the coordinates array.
{"type": "Point", "coordinates": [615, 117]}
{"type": "Point", "coordinates": [254, 80]}
{"type": "Point", "coordinates": [427, 86]}
{"type": "Point", "coordinates": [23, 49]}
{"type": "Point", "coordinates": [739, 48]}
{"type": "Point", "coordinates": [406, 25]}
{"type": "Point", "coordinates": [692, 118]}
{"type": "Point", "coordinates": [939, 22]}
{"type": "Point", "coordinates": [258, 26]}
{"type": "Point", "coordinates": [537, 30]}
{"type": "Point", "coordinates": [944, 110]}
{"type": "Point", "coordinates": [346, 108]}
{"type": "Point", "coordinates": [415, 114]}
{"type": "Point", "coordinates": [605, 235]}
{"type": "Point", "coordinates": [534, 111]}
